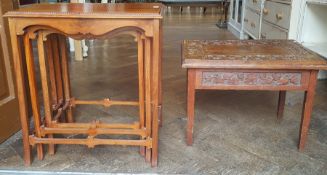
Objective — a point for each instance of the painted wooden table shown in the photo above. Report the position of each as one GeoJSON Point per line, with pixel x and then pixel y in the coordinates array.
{"type": "Point", "coordinates": [274, 65]}
{"type": "Point", "coordinates": [50, 25]}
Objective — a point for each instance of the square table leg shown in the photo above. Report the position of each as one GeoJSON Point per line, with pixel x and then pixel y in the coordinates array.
{"type": "Point", "coordinates": [281, 105]}
{"type": "Point", "coordinates": [33, 91]}
{"type": "Point", "coordinates": [57, 67]}
{"type": "Point", "coordinates": [21, 93]}
{"type": "Point", "coordinates": [65, 76]}
{"type": "Point", "coordinates": [140, 60]}
{"type": "Point", "coordinates": [156, 90]}
{"type": "Point", "coordinates": [148, 99]}
{"type": "Point", "coordinates": [52, 74]}
{"type": "Point", "coordinates": [160, 74]}
{"type": "Point", "coordinates": [307, 109]}
{"type": "Point", "coordinates": [190, 105]}
{"type": "Point", "coordinates": [51, 48]}
{"type": "Point", "coordinates": [45, 85]}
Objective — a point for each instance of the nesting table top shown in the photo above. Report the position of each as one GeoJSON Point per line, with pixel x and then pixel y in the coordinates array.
{"type": "Point", "coordinates": [90, 10]}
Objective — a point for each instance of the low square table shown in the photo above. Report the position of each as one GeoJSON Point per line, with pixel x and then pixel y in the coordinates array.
{"type": "Point", "coordinates": [274, 65]}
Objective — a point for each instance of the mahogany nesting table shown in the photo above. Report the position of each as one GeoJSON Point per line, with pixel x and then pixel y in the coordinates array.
{"type": "Point", "coordinates": [274, 65]}
{"type": "Point", "coordinates": [50, 25]}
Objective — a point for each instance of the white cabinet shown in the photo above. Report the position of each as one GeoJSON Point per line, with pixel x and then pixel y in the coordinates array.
{"type": "Point", "coordinates": [252, 18]}
{"type": "Point", "coordinates": [236, 16]}
{"type": "Point", "coordinates": [279, 19]}
{"type": "Point", "coordinates": [252, 23]}
{"type": "Point", "coordinates": [302, 20]}
{"type": "Point", "coordinates": [277, 13]}
{"type": "Point", "coordinates": [270, 31]}
{"type": "Point", "coordinates": [313, 28]}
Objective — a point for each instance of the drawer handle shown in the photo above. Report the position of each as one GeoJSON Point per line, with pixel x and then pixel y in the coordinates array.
{"type": "Point", "coordinates": [279, 16]}
{"type": "Point", "coordinates": [246, 20]}
{"type": "Point", "coordinates": [265, 11]}
{"type": "Point", "coordinates": [252, 24]}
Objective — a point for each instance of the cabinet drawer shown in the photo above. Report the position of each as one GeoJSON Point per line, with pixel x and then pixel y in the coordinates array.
{"type": "Point", "coordinates": [254, 5]}
{"type": "Point", "coordinates": [251, 22]}
{"type": "Point", "coordinates": [269, 31]}
{"type": "Point", "coordinates": [277, 13]}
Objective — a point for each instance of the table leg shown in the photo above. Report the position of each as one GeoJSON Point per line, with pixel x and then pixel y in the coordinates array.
{"type": "Point", "coordinates": [307, 109]}
{"type": "Point", "coordinates": [57, 67]}
{"type": "Point", "coordinates": [33, 92]}
{"type": "Point", "coordinates": [21, 94]}
{"type": "Point", "coordinates": [65, 76]}
{"type": "Point", "coordinates": [45, 86]}
{"type": "Point", "coordinates": [148, 105]}
{"type": "Point", "coordinates": [190, 105]}
{"type": "Point", "coordinates": [78, 50]}
{"type": "Point", "coordinates": [204, 10]}
{"type": "Point", "coordinates": [281, 105]}
{"type": "Point", "coordinates": [156, 71]}
{"type": "Point", "coordinates": [160, 75]}
{"type": "Point", "coordinates": [52, 76]}
{"type": "Point", "coordinates": [140, 52]}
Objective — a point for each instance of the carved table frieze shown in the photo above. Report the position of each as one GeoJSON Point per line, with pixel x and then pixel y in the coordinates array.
{"type": "Point", "coordinates": [250, 78]}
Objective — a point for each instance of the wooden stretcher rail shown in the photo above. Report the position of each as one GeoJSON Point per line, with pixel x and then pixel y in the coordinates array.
{"type": "Point", "coordinates": [90, 141]}
{"type": "Point", "coordinates": [96, 124]}
{"type": "Point", "coordinates": [105, 102]}
{"type": "Point", "coordinates": [91, 131]}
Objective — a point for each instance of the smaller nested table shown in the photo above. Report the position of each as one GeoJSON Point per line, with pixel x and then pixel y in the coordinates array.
{"type": "Point", "coordinates": [274, 65]}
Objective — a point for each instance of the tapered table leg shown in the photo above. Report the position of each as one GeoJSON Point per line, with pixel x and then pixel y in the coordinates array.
{"type": "Point", "coordinates": [307, 109]}
{"type": "Point", "coordinates": [190, 105]}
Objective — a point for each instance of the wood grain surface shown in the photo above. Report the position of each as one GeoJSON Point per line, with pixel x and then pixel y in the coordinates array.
{"type": "Point", "coordinates": [90, 10]}
{"type": "Point", "coordinates": [255, 54]}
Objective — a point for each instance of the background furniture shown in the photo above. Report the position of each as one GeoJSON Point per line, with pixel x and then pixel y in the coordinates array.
{"type": "Point", "coordinates": [303, 21]}
{"type": "Point", "coordinates": [236, 15]}
{"type": "Point", "coordinates": [49, 26]}
{"type": "Point", "coordinates": [78, 46]}
{"type": "Point", "coordinates": [274, 65]}
{"type": "Point", "coordinates": [313, 26]}
{"type": "Point", "coordinates": [253, 17]}
{"type": "Point", "coordinates": [223, 22]}
{"type": "Point", "coordinates": [196, 3]}
{"type": "Point", "coordinates": [271, 19]}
